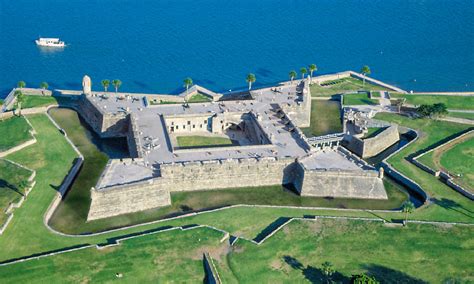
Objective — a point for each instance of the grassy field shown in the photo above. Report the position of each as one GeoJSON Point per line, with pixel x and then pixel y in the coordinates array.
{"type": "Point", "coordinates": [195, 141]}
{"type": "Point", "coordinates": [412, 254]}
{"type": "Point", "coordinates": [11, 176]}
{"type": "Point", "coordinates": [465, 115]}
{"type": "Point", "coordinates": [18, 132]}
{"type": "Point", "coordinates": [342, 86]}
{"type": "Point", "coordinates": [459, 160]}
{"type": "Point", "coordinates": [373, 131]}
{"type": "Point", "coordinates": [446, 204]}
{"type": "Point", "coordinates": [452, 102]}
{"type": "Point", "coordinates": [325, 118]}
{"type": "Point", "coordinates": [359, 99]}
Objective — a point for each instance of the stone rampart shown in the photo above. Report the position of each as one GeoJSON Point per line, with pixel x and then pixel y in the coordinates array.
{"type": "Point", "coordinates": [124, 199]}
{"type": "Point", "coordinates": [219, 174]}
{"type": "Point", "coordinates": [300, 112]}
{"type": "Point", "coordinates": [370, 147]}
{"type": "Point", "coordinates": [338, 183]}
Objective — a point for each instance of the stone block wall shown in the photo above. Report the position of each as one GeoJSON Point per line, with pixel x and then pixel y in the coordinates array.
{"type": "Point", "coordinates": [342, 184]}
{"type": "Point", "coordinates": [300, 112]}
{"type": "Point", "coordinates": [220, 174]}
{"type": "Point", "coordinates": [130, 198]}
{"type": "Point", "coordinates": [372, 146]}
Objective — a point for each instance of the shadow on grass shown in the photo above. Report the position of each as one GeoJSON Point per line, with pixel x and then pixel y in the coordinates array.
{"type": "Point", "coordinates": [388, 275]}
{"type": "Point", "coordinates": [314, 274]}
{"type": "Point", "coordinates": [270, 228]}
{"type": "Point", "coordinates": [452, 205]}
{"type": "Point", "coordinates": [6, 184]}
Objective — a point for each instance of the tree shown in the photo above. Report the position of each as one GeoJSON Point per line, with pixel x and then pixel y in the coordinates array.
{"type": "Point", "coordinates": [187, 83]}
{"type": "Point", "coordinates": [303, 71]}
{"type": "Point", "coordinates": [365, 71]}
{"type": "Point", "coordinates": [251, 79]}
{"type": "Point", "coordinates": [408, 207]}
{"type": "Point", "coordinates": [292, 75]}
{"type": "Point", "coordinates": [327, 270]}
{"type": "Point", "coordinates": [363, 279]}
{"type": "Point", "coordinates": [21, 84]}
{"type": "Point", "coordinates": [433, 111]}
{"type": "Point", "coordinates": [105, 83]}
{"type": "Point", "coordinates": [20, 99]}
{"type": "Point", "coordinates": [312, 68]}
{"type": "Point", "coordinates": [117, 83]}
{"type": "Point", "coordinates": [44, 86]}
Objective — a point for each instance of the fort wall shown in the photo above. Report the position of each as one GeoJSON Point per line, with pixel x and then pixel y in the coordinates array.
{"type": "Point", "coordinates": [300, 112]}
{"type": "Point", "coordinates": [370, 147]}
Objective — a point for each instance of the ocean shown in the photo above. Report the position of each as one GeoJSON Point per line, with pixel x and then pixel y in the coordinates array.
{"type": "Point", "coordinates": [152, 45]}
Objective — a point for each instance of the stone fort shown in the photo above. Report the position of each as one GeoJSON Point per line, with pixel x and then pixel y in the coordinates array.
{"type": "Point", "coordinates": [268, 147]}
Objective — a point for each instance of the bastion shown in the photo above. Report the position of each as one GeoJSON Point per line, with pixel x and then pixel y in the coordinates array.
{"type": "Point", "coordinates": [268, 148]}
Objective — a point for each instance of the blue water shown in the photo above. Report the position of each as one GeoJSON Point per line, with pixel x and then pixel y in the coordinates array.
{"type": "Point", "coordinates": [151, 45]}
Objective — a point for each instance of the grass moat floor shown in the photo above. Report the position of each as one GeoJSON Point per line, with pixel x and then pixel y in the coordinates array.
{"type": "Point", "coordinates": [408, 254]}
{"type": "Point", "coordinates": [452, 102]}
{"type": "Point", "coordinates": [359, 99]}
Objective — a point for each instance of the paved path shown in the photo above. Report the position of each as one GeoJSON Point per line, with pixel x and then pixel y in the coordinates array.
{"type": "Point", "coordinates": [457, 120]}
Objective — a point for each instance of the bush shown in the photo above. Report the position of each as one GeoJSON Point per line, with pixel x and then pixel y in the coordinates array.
{"type": "Point", "coordinates": [433, 111]}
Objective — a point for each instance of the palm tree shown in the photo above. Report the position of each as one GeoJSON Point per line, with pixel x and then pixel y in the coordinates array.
{"type": "Point", "coordinates": [327, 270]}
{"type": "Point", "coordinates": [365, 71]}
{"type": "Point", "coordinates": [44, 86]}
{"type": "Point", "coordinates": [117, 83]}
{"type": "Point", "coordinates": [292, 75]}
{"type": "Point", "coordinates": [251, 79]}
{"type": "Point", "coordinates": [187, 83]}
{"type": "Point", "coordinates": [105, 83]}
{"type": "Point", "coordinates": [20, 98]}
{"type": "Point", "coordinates": [21, 84]}
{"type": "Point", "coordinates": [303, 71]}
{"type": "Point", "coordinates": [312, 68]}
{"type": "Point", "coordinates": [408, 207]}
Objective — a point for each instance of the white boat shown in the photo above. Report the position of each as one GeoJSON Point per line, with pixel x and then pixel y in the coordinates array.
{"type": "Point", "coordinates": [50, 42]}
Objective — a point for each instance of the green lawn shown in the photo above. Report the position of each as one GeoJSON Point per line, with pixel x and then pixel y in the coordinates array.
{"type": "Point", "coordinates": [39, 101]}
{"type": "Point", "coordinates": [395, 254]}
{"type": "Point", "coordinates": [359, 99]}
{"type": "Point", "coordinates": [450, 160]}
{"type": "Point", "coordinates": [325, 118]}
{"type": "Point", "coordinates": [465, 115]}
{"type": "Point", "coordinates": [446, 204]}
{"type": "Point", "coordinates": [413, 254]}
{"type": "Point", "coordinates": [199, 98]}
{"type": "Point", "coordinates": [342, 86]}
{"type": "Point", "coordinates": [195, 141]}
{"type": "Point", "coordinates": [18, 132]}
{"type": "Point", "coordinates": [452, 102]}
{"type": "Point", "coordinates": [11, 176]}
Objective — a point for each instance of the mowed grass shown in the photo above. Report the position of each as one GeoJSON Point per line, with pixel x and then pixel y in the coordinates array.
{"type": "Point", "coordinates": [459, 162]}
{"type": "Point", "coordinates": [13, 132]}
{"type": "Point", "coordinates": [11, 176]}
{"type": "Point", "coordinates": [373, 131]}
{"type": "Point", "coordinates": [325, 118]}
{"type": "Point", "coordinates": [413, 254]}
{"type": "Point", "coordinates": [452, 102]}
{"type": "Point", "coordinates": [359, 99]}
{"type": "Point", "coordinates": [39, 101]}
{"type": "Point", "coordinates": [465, 115]}
{"type": "Point", "coordinates": [446, 204]}
{"type": "Point", "coordinates": [167, 257]}
{"type": "Point", "coordinates": [196, 141]}
{"type": "Point", "coordinates": [343, 85]}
